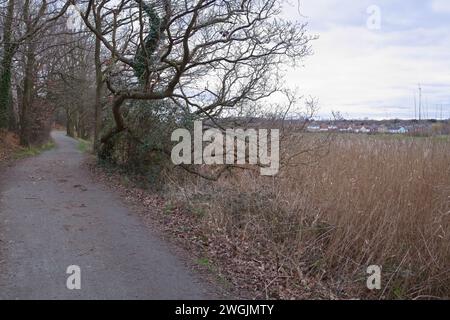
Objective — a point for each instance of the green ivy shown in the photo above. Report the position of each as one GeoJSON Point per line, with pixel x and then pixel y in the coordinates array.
{"type": "Point", "coordinates": [146, 50]}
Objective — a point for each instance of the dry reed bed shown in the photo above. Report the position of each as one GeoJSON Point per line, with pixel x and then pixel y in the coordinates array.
{"type": "Point", "coordinates": [313, 231]}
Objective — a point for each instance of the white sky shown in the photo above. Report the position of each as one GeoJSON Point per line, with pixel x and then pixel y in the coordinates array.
{"type": "Point", "coordinates": [363, 72]}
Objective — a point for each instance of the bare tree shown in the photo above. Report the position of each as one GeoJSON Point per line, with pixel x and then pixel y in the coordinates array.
{"type": "Point", "coordinates": [6, 65]}
{"type": "Point", "coordinates": [206, 56]}
{"type": "Point", "coordinates": [70, 72]}
{"type": "Point", "coordinates": [99, 81]}
{"type": "Point", "coordinates": [26, 22]}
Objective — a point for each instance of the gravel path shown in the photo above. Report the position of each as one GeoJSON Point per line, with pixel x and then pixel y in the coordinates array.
{"type": "Point", "coordinates": [52, 215]}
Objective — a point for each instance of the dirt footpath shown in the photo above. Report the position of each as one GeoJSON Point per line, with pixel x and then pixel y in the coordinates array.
{"type": "Point", "coordinates": [52, 215]}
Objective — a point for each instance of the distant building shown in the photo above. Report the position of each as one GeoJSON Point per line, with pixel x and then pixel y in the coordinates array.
{"type": "Point", "coordinates": [363, 129]}
{"type": "Point", "coordinates": [398, 130]}
{"type": "Point", "coordinates": [383, 129]}
{"type": "Point", "coordinates": [332, 128]}
{"type": "Point", "coordinates": [344, 128]}
{"type": "Point", "coordinates": [313, 128]}
{"type": "Point", "coordinates": [402, 130]}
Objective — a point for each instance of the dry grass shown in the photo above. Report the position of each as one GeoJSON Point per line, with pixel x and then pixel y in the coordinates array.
{"type": "Point", "coordinates": [9, 144]}
{"type": "Point", "coordinates": [313, 231]}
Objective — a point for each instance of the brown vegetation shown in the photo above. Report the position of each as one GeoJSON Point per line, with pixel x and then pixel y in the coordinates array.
{"type": "Point", "coordinates": [9, 143]}
{"type": "Point", "coordinates": [314, 230]}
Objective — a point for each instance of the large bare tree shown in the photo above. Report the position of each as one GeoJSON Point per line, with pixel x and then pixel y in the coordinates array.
{"type": "Point", "coordinates": [206, 56]}
{"type": "Point", "coordinates": [25, 21]}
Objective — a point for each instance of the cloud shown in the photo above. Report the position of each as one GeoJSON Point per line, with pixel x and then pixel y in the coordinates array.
{"type": "Point", "coordinates": [441, 6]}
{"type": "Point", "coordinates": [324, 14]}
{"type": "Point", "coordinates": [362, 72]}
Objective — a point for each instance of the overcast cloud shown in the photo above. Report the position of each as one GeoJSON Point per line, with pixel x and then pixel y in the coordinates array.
{"type": "Point", "coordinates": [366, 72]}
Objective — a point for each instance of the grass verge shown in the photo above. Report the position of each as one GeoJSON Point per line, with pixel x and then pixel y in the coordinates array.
{"type": "Point", "coordinates": [33, 150]}
{"type": "Point", "coordinates": [84, 145]}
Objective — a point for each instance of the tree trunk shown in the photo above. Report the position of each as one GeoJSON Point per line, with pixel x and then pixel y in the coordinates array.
{"type": "Point", "coordinates": [98, 88]}
{"type": "Point", "coordinates": [69, 124]}
{"type": "Point", "coordinates": [6, 65]}
{"type": "Point", "coordinates": [118, 119]}
{"type": "Point", "coordinates": [107, 144]}
{"type": "Point", "coordinates": [25, 123]}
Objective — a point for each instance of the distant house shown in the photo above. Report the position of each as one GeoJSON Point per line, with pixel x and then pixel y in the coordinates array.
{"type": "Point", "coordinates": [383, 129]}
{"type": "Point", "coordinates": [398, 130]}
{"type": "Point", "coordinates": [392, 130]}
{"type": "Point", "coordinates": [332, 128]}
{"type": "Point", "coordinates": [313, 128]}
{"type": "Point", "coordinates": [345, 128]}
{"type": "Point", "coordinates": [402, 130]}
{"type": "Point", "coordinates": [363, 129]}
